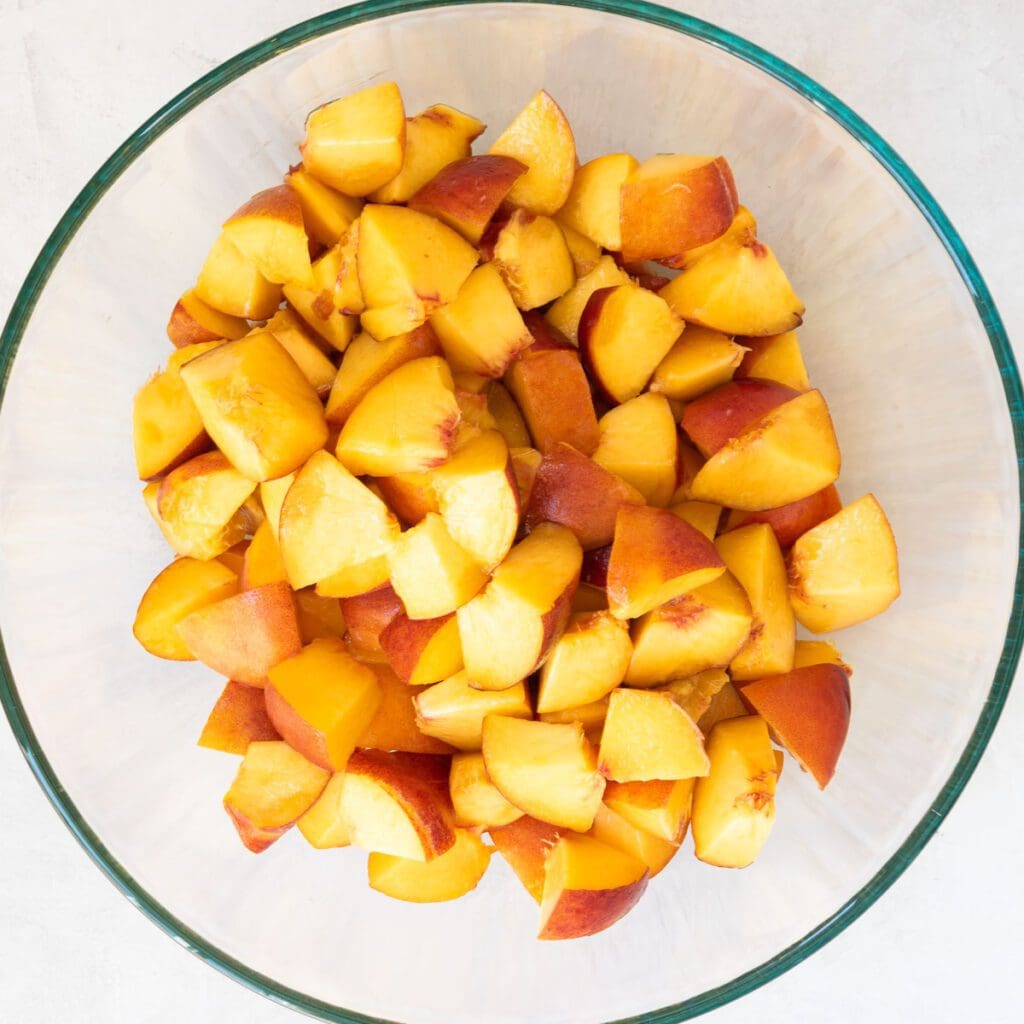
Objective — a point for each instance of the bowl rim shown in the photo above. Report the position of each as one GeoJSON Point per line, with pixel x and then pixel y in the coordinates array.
{"type": "Point", "coordinates": [638, 10]}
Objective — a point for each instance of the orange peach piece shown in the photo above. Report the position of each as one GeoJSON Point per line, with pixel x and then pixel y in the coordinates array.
{"type": "Point", "coordinates": [454, 710]}
{"type": "Point", "coordinates": [331, 323]}
{"type": "Point", "coordinates": [774, 357]}
{"type": "Point", "coordinates": [410, 495]}
{"type": "Point", "coordinates": [714, 419]}
{"type": "Point", "coordinates": [272, 495]}
{"type": "Point", "coordinates": [588, 886]}
{"type": "Point", "coordinates": [345, 290]}
{"type": "Point", "coordinates": [594, 204]}
{"type": "Point", "coordinates": [701, 515]}
{"type": "Point", "coordinates": [238, 718]}
{"type": "Point", "coordinates": [262, 563]}
{"type": "Point", "coordinates": [548, 771]}
{"type": "Point", "coordinates": [585, 253]}
{"type": "Point", "coordinates": [734, 806]}
{"type": "Point", "coordinates": [743, 229]}
{"type": "Point", "coordinates": [448, 877]}
{"type": "Point", "coordinates": [844, 570]}
{"type": "Point", "coordinates": [477, 801]}
{"type": "Point", "coordinates": [790, 521]}
{"type": "Point", "coordinates": [230, 283]}
{"type": "Point", "coordinates": [577, 493]}
{"type": "Point", "coordinates": [268, 230]}
{"type": "Point", "coordinates": [659, 807]}
{"type": "Point", "coordinates": [565, 313]}
{"type": "Point", "coordinates": [274, 786]}
{"type": "Point", "coordinates": [353, 580]}
{"type": "Point", "coordinates": [308, 353]}
{"type": "Point", "coordinates": [507, 416]}
{"type": "Point", "coordinates": [701, 359]}
{"type": "Point", "coordinates": [181, 588]}
{"type": "Point", "coordinates": [167, 429]}
{"type": "Point", "coordinates": [422, 651]}
{"type": "Point", "coordinates": [473, 406]}
{"type": "Point", "coordinates": [540, 138]}
{"type": "Point", "coordinates": [322, 826]}
{"type": "Point", "coordinates": [688, 466]}
{"type": "Point", "coordinates": [525, 464]}
{"type": "Point", "coordinates": [203, 542]}
{"type": "Point", "coordinates": [525, 844]}
{"type": "Point", "coordinates": [367, 615]}
{"type": "Point", "coordinates": [326, 213]}
{"type": "Point", "coordinates": [819, 652]}
{"type": "Point", "coordinates": [726, 703]}
{"type": "Point", "coordinates": [319, 617]}
{"type": "Point", "coordinates": [192, 322]}
{"type": "Point", "coordinates": [655, 557]}
{"type": "Point", "coordinates": [695, 693]}
{"type": "Point", "coordinates": [639, 445]}
{"type": "Point", "coordinates": [394, 726]}
{"type": "Point", "coordinates": [613, 830]}
{"type": "Point", "coordinates": [200, 496]}
{"type": "Point", "coordinates": [590, 716]}
{"type": "Point", "coordinates": [531, 253]}
{"type": "Point", "coordinates": [357, 143]}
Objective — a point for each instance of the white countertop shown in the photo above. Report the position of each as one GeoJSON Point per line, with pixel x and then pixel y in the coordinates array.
{"type": "Point", "coordinates": [943, 83]}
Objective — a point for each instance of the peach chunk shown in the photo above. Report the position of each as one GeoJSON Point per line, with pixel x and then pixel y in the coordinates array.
{"type": "Point", "coordinates": [743, 229]}
{"type": "Point", "coordinates": [788, 454]}
{"type": "Point", "coordinates": [639, 445]}
{"type": "Point", "coordinates": [585, 253]}
{"type": "Point", "coordinates": [695, 693]}
{"type": "Point", "coordinates": [404, 424]}
{"type": "Point", "coordinates": [477, 801]}
{"type": "Point", "coordinates": [273, 787]}
{"type": "Point", "coordinates": [422, 651]}
{"type": "Point", "coordinates": [701, 359]}
{"type": "Point", "coordinates": [588, 886]}
{"type": "Point", "coordinates": [410, 265]}
{"type": "Point", "coordinates": [525, 464]}
{"type": "Point", "coordinates": [291, 334]}
{"type": "Point", "coordinates": [167, 429]}
{"type": "Point", "coordinates": [774, 357]}
{"type": "Point", "coordinates": [808, 711]}
{"type": "Point", "coordinates": [192, 322]}
{"type": "Point", "coordinates": [534, 260]}
{"type": "Point", "coordinates": [818, 652]}
{"type": "Point", "coordinates": [322, 826]}
{"type": "Point", "coordinates": [525, 845]}
{"type": "Point", "coordinates": [591, 716]}
{"type": "Point", "coordinates": [319, 617]}
{"type": "Point", "coordinates": [230, 283]}
{"type": "Point", "coordinates": [734, 806]}
{"type": "Point", "coordinates": [244, 636]}
{"type": "Point", "coordinates": [725, 704]}
{"type": "Point", "coordinates": [548, 771]}
{"type": "Point", "coordinates": [701, 515]}
{"type": "Point", "coordinates": [367, 615]}
{"type": "Point", "coordinates": [357, 143]}
{"type": "Point", "coordinates": [181, 588]}
{"type": "Point", "coordinates": [257, 406]}
{"type": "Point", "coordinates": [262, 562]}
{"type": "Point", "coordinates": [411, 495]}
{"type": "Point", "coordinates": [655, 557]}
{"type": "Point", "coordinates": [624, 333]}
{"type": "Point", "coordinates": [540, 138]}
{"type": "Point", "coordinates": [509, 628]}
{"type": "Point", "coordinates": [328, 307]}
{"type": "Point", "coordinates": [577, 493]}
{"type": "Point", "coordinates": [326, 213]}
{"type": "Point", "coordinates": [788, 522]}
{"type": "Point", "coordinates": [394, 726]}
{"type": "Point", "coordinates": [507, 416]}
{"type": "Point", "coordinates": [481, 331]}
{"type": "Point", "coordinates": [454, 710]}
{"type": "Point", "coordinates": [660, 807]}
{"type": "Point", "coordinates": [588, 661]}
{"type": "Point", "coordinates": [713, 419]}
{"type": "Point", "coordinates": [453, 874]}
{"type": "Point", "coordinates": [238, 718]}
{"type": "Point", "coordinates": [614, 830]}
{"type": "Point", "coordinates": [594, 204]}
{"type": "Point", "coordinates": [675, 202]}
{"type": "Point", "coordinates": [844, 570]}
{"type": "Point", "coordinates": [646, 736]}
{"type": "Point", "coordinates": [268, 230]}
{"type": "Point", "coordinates": [565, 313]}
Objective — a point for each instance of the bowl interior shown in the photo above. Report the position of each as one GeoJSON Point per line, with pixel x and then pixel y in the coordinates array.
{"type": "Point", "coordinates": [891, 336]}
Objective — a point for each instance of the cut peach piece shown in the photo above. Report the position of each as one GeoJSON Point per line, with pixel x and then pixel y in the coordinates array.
{"type": "Point", "coordinates": [701, 515]}
{"type": "Point", "coordinates": [202, 543]}
{"type": "Point", "coordinates": [507, 416]}
{"type": "Point", "coordinates": [659, 807]}
{"type": "Point", "coordinates": [695, 694]}
{"type": "Point", "coordinates": [687, 467]}
{"type": "Point", "coordinates": [309, 356]}
{"type": "Point", "coordinates": [548, 771]}
{"type": "Point", "coordinates": [330, 521]}
{"type": "Point", "coordinates": [846, 569]}
{"type": "Point", "coordinates": [232, 284]}
{"type": "Point", "coordinates": [819, 652]}
{"type": "Point", "coordinates": [540, 138]}
{"type": "Point", "coordinates": [534, 260]}
{"type": "Point", "coordinates": [257, 406]}
{"type": "Point", "coordinates": [394, 726]}
{"type": "Point", "coordinates": [614, 830]}
{"type": "Point", "coordinates": [736, 289]}
{"type": "Point", "coordinates": [525, 464]}
{"type": "Point", "coordinates": [590, 716]}
{"type": "Point", "coordinates": [199, 498]}
{"type": "Point", "coordinates": [734, 806]}
{"type": "Point", "coordinates": [319, 306]}
{"type": "Point", "coordinates": [793, 520]}
{"type": "Point", "coordinates": [238, 718]}
{"type": "Point", "coordinates": [594, 204]}
{"type": "Point", "coordinates": [274, 786]}
{"type": "Point", "coordinates": [326, 213]}
{"type": "Point", "coordinates": [234, 557]}
{"type": "Point", "coordinates": [509, 628]}
{"type": "Point", "coordinates": [566, 312]}
{"type": "Point", "coordinates": [588, 886]}
{"type": "Point", "coordinates": [743, 229]}
{"type": "Point", "coordinates": [454, 710]}
{"type": "Point", "coordinates": [525, 845]}
{"type": "Point", "coordinates": [357, 143]}
{"type": "Point", "coordinates": [353, 580]}
{"type": "Point", "coordinates": [367, 615]}
{"type": "Point", "coordinates": [726, 703]}
{"type": "Point", "coordinates": [262, 563]}
{"type": "Point", "coordinates": [671, 203]}
{"type": "Point", "coordinates": [422, 651]}
{"type": "Point", "coordinates": [639, 445]}
{"type": "Point", "coordinates": [319, 617]}
{"type": "Point", "coordinates": [655, 557]}
{"type": "Point", "coordinates": [345, 290]}
{"type": "Point", "coordinates": [477, 801]}
{"type": "Point", "coordinates": [322, 826]}
{"type": "Point", "coordinates": [624, 333]}
{"type": "Point", "coordinates": [808, 711]}
{"type": "Point", "coordinates": [588, 661]}
{"type": "Point", "coordinates": [410, 265]}
{"type": "Point", "coordinates": [577, 493]}
{"type": "Point", "coordinates": [585, 253]}
{"type": "Point", "coordinates": [703, 629]}
{"type": "Point", "coordinates": [647, 735]}
{"type": "Point", "coordinates": [448, 877]}
{"type": "Point", "coordinates": [167, 429]}
{"type": "Point", "coordinates": [272, 495]}
{"type": "Point", "coordinates": [715, 418]}
{"type": "Point", "coordinates": [404, 424]}
{"type": "Point", "coordinates": [473, 406]}
{"type": "Point", "coordinates": [268, 230]}
{"type": "Point", "coordinates": [701, 359]}
{"type": "Point", "coordinates": [192, 322]}
{"type": "Point", "coordinates": [788, 454]}
{"type": "Point", "coordinates": [775, 357]}
{"type": "Point", "coordinates": [410, 495]}
{"type": "Point", "coordinates": [183, 587]}
{"type": "Point", "coordinates": [245, 635]}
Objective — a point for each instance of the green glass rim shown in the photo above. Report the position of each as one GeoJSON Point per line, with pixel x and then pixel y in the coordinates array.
{"type": "Point", "coordinates": [346, 17]}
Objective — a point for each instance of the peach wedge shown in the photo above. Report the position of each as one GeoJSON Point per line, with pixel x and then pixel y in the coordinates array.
{"type": "Point", "coordinates": [454, 873]}
{"type": "Point", "coordinates": [422, 651]}
{"type": "Point", "coordinates": [394, 726]}
{"type": "Point", "coordinates": [268, 230]}
{"type": "Point", "coordinates": [594, 204]}
{"type": "Point", "coordinates": [659, 807]}
{"type": "Point", "coordinates": [238, 718]}
{"type": "Point", "coordinates": [477, 801]}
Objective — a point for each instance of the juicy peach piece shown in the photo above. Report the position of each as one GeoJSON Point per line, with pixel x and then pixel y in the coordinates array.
{"type": "Point", "coordinates": [262, 563]}
{"type": "Point", "coordinates": [525, 844]}
{"type": "Point", "coordinates": [534, 260]}
{"type": "Point", "coordinates": [367, 615]}
{"type": "Point", "coordinates": [638, 444]}
{"type": "Point", "coordinates": [590, 716]}
{"type": "Point", "coordinates": [322, 825]}
{"type": "Point", "coordinates": [774, 357]}
{"type": "Point", "coordinates": [695, 693]}
{"type": "Point", "coordinates": [199, 541]}
{"type": "Point", "coordinates": [507, 416]}
{"type": "Point", "coordinates": [422, 651]}
{"type": "Point", "coordinates": [585, 253]}
{"type": "Point", "coordinates": [192, 322]}
{"type": "Point", "coordinates": [272, 495]}
{"type": "Point", "coordinates": [594, 204]}
{"type": "Point", "coordinates": [167, 429]}
{"type": "Point", "coordinates": [453, 874]}
{"type": "Point", "coordinates": [394, 726]}
{"type": "Point", "coordinates": [725, 704]}
{"type": "Point", "coordinates": [743, 229]}
{"type": "Point", "coordinates": [238, 718]}
{"type": "Point", "coordinates": [326, 213]}
{"type": "Point", "coordinates": [320, 307]}
{"type": "Point", "coordinates": [701, 515]}
{"type": "Point", "coordinates": [454, 710]}
{"type": "Point", "coordinates": [791, 521]}
{"type": "Point", "coordinates": [659, 807]}
{"type": "Point", "coordinates": [409, 495]}
{"type": "Point", "coordinates": [291, 334]}
{"type": "Point", "coordinates": [818, 652]}
{"type": "Point", "coordinates": [268, 230]}
{"type": "Point", "coordinates": [701, 359]}
{"type": "Point", "coordinates": [232, 284]}
{"type": "Point", "coordinates": [566, 312]}
{"type": "Point", "coordinates": [714, 419]}
{"type": "Point", "coordinates": [613, 830]}
{"type": "Point", "coordinates": [477, 801]}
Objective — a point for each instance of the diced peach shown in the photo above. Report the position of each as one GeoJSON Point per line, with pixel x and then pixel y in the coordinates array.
{"type": "Point", "coordinates": [394, 726]}
{"type": "Point", "coordinates": [533, 258]}
{"type": "Point", "coordinates": [367, 615]}
{"type": "Point", "coordinates": [701, 515]}
{"type": "Point", "coordinates": [701, 359]}
{"type": "Point", "coordinates": [192, 322]}
{"type": "Point", "coordinates": [774, 357]}
{"type": "Point", "coordinates": [791, 521]}
{"type": "Point", "coordinates": [687, 467]}
{"type": "Point", "coordinates": [272, 494]}
{"type": "Point", "coordinates": [322, 826]}
{"type": "Point", "coordinates": [594, 204]}
{"type": "Point", "coordinates": [525, 844]}
{"type": "Point", "coordinates": [326, 213]}
{"type": "Point", "coordinates": [202, 540]}
{"type": "Point", "coordinates": [742, 230]}
{"type": "Point", "coordinates": [409, 495]}
{"type": "Point", "coordinates": [292, 336]}
{"type": "Point", "coordinates": [715, 418]}
{"type": "Point", "coordinates": [447, 877]}
{"type": "Point", "coordinates": [319, 617]}
{"type": "Point", "coordinates": [585, 252]}
{"type": "Point", "coordinates": [658, 807]}
{"type": "Point", "coordinates": [725, 704]}
{"type": "Point", "coordinates": [231, 283]}
{"type": "Point", "coordinates": [238, 718]}
{"type": "Point", "coordinates": [353, 580]}
{"type": "Point", "coordinates": [422, 651]}
{"type": "Point", "coordinates": [167, 429]}
{"type": "Point", "coordinates": [507, 416]}
{"type": "Point", "coordinates": [262, 562]}
{"type": "Point", "coordinates": [591, 716]}
{"type": "Point", "coordinates": [477, 801]}
{"type": "Point", "coordinates": [321, 307]}
{"type": "Point", "coordinates": [268, 230]}
{"type": "Point", "coordinates": [566, 312]}
{"type": "Point", "coordinates": [454, 710]}
{"type": "Point", "coordinates": [819, 652]}
{"type": "Point", "coordinates": [475, 414]}
{"type": "Point", "coordinates": [695, 693]}
{"type": "Point", "coordinates": [638, 444]}
{"type": "Point", "coordinates": [613, 830]}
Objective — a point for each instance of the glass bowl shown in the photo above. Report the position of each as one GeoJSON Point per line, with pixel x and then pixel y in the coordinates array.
{"type": "Point", "coordinates": [900, 333]}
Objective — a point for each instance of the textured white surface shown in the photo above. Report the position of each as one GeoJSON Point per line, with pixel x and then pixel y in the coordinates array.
{"type": "Point", "coordinates": [939, 946]}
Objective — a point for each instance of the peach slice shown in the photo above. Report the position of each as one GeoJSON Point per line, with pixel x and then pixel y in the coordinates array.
{"type": "Point", "coordinates": [181, 588]}
{"type": "Point", "coordinates": [331, 521]}
{"type": "Point", "coordinates": [540, 138]}
{"type": "Point", "coordinates": [394, 726]}
{"type": "Point", "coordinates": [481, 331]}
{"type": "Point", "coordinates": [695, 693]}
{"type": "Point", "coordinates": [367, 615]}
{"type": "Point", "coordinates": [614, 830]}
{"type": "Point", "coordinates": [844, 570]}
{"type": "Point", "coordinates": [671, 203]}
{"type": "Point", "coordinates": [509, 628]}
{"type": "Point", "coordinates": [588, 661]}
{"type": "Point", "coordinates": [548, 771]}
{"type": "Point", "coordinates": [594, 203]}
{"type": "Point", "coordinates": [531, 253]}
{"type": "Point", "coordinates": [477, 801]}
{"type": "Point", "coordinates": [230, 283]}
{"type": "Point", "coordinates": [433, 139]}
{"type": "Point", "coordinates": [577, 493]}
{"type": "Point", "coordinates": [345, 290]}
{"type": "Point", "coordinates": [624, 333]}
{"type": "Point", "coordinates": [655, 557]}
{"type": "Point", "coordinates": [326, 213]}
{"type": "Point", "coordinates": [590, 716]}
{"type": "Point", "coordinates": [322, 826]}
{"type": "Point", "coordinates": [788, 454]}
{"type": "Point", "coordinates": [274, 786]}
{"type": "Point", "coordinates": [639, 445]}
{"type": "Point", "coordinates": [660, 807]}
{"type": "Point", "coordinates": [257, 406]}
{"type": "Point", "coordinates": [507, 417]}
{"type": "Point", "coordinates": [167, 429]}
{"type": "Point", "coordinates": [448, 877]}
{"type": "Point", "coordinates": [565, 313]}
{"type": "Point", "coordinates": [525, 464]}
{"type": "Point", "coordinates": [743, 229]}
{"type": "Point", "coordinates": [192, 322]}
{"type": "Point", "coordinates": [734, 806]}
{"type": "Point", "coordinates": [353, 580]}
{"type": "Point", "coordinates": [753, 556]}
{"type": "Point", "coordinates": [290, 333]}
{"type": "Point", "coordinates": [525, 845]}
{"type": "Point", "coordinates": [585, 253]}
{"type": "Point", "coordinates": [701, 515]}
{"type": "Point", "coordinates": [410, 265]}
{"type": "Point", "coordinates": [819, 652]}
{"type": "Point", "coordinates": [404, 424]}
{"type": "Point", "coordinates": [321, 307]}
{"type": "Point", "coordinates": [646, 736]}
{"type": "Point", "coordinates": [197, 540]}
{"type": "Point", "coordinates": [238, 718]}
{"type": "Point", "coordinates": [700, 360]}
{"type": "Point", "coordinates": [808, 711]}
{"type": "Point", "coordinates": [712, 420]}
{"type": "Point", "coordinates": [726, 703]}
{"type": "Point", "coordinates": [357, 143]}
{"type": "Point", "coordinates": [789, 522]}
{"type": "Point", "coordinates": [262, 563]}
{"type": "Point", "coordinates": [700, 630]}
{"type": "Point", "coordinates": [319, 617]}
{"type": "Point", "coordinates": [422, 651]}
{"type": "Point", "coordinates": [588, 886]}
{"type": "Point", "coordinates": [774, 357]}
{"type": "Point", "coordinates": [454, 710]}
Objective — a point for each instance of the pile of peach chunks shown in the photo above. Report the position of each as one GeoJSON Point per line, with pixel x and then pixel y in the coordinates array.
{"type": "Point", "coordinates": [495, 527]}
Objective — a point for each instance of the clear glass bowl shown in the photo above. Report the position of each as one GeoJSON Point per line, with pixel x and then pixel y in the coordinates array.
{"type": "Point", "coordinates": [900, 333]}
